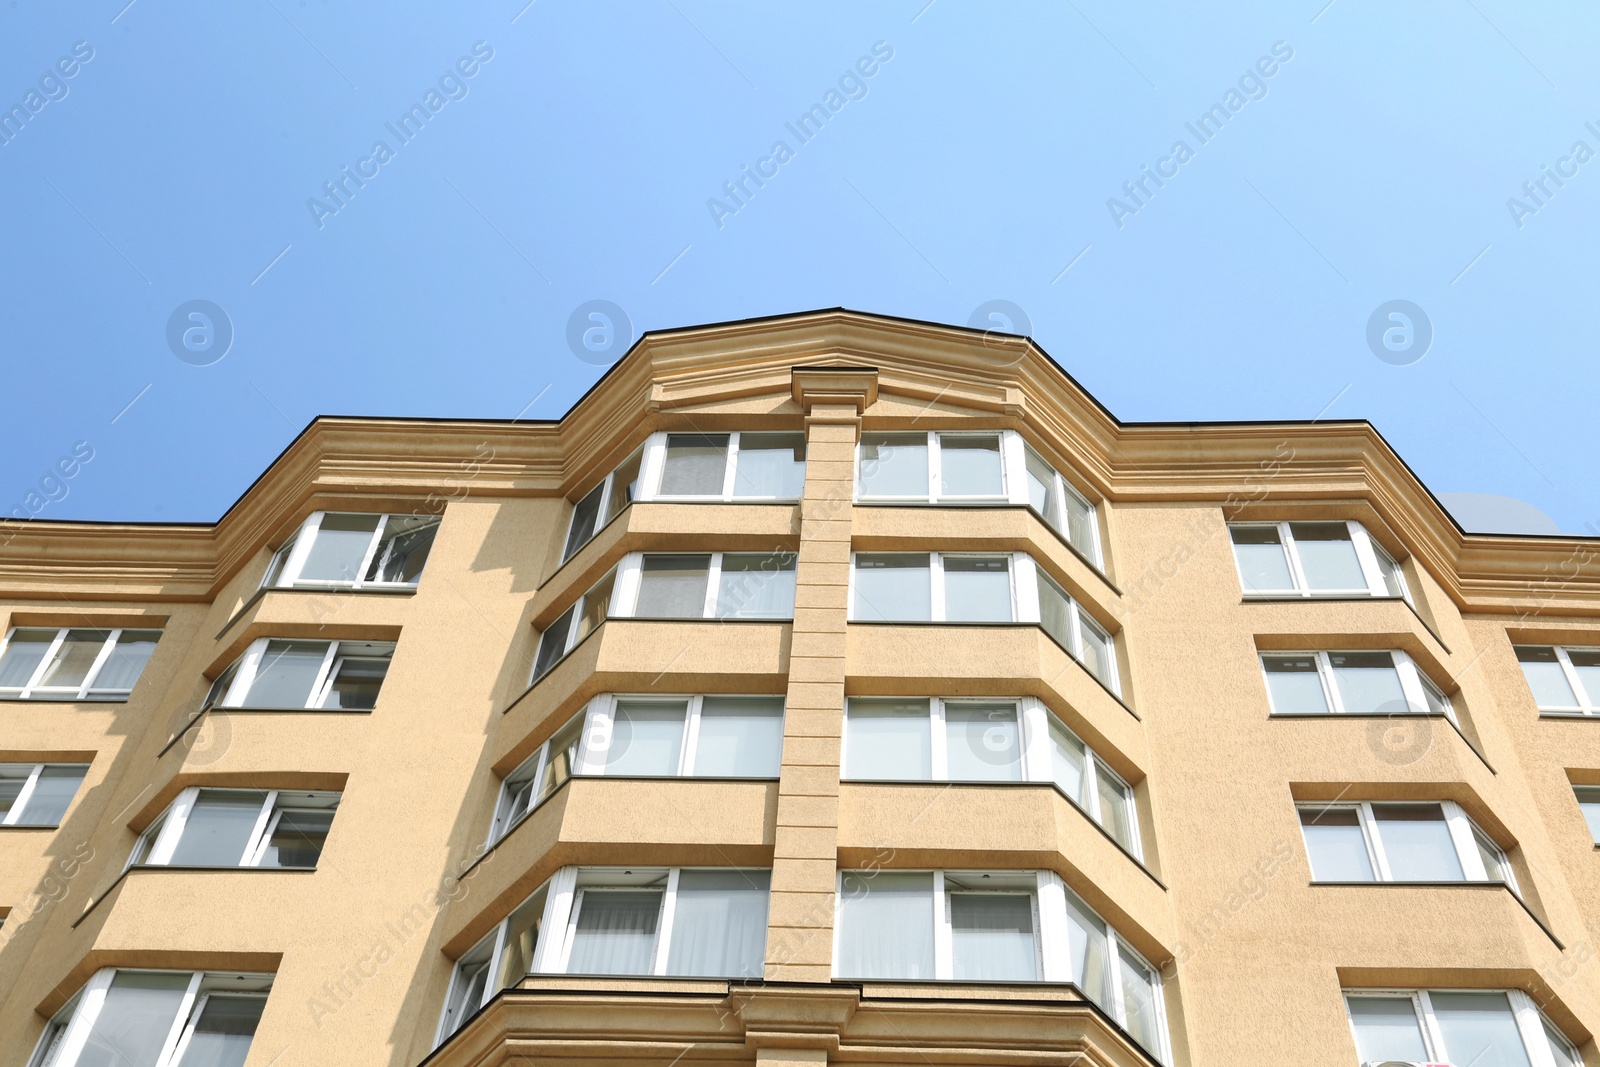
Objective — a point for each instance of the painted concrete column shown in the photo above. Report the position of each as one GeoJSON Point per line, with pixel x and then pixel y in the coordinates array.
{"type": "Point", "coordinates": [800, 926]}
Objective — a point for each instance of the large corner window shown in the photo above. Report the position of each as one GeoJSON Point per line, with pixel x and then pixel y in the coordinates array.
{"type": "Point", "coordinates": [38, 794]}
{"type": "Point", "coordinates": [703, 923]}
{"type": "Point", "coordinates": [354, 550]}
{"type": "Point", "coordinates": [974, 467]}
{"type": "Point", "coordinates": [1311, 559]}
{"type": "Point", "coordinates": [1563, 680]}
{"type": "Point", "coordinates": [287, 673]}
{"type": "Point", "coordinates": [238, 828]}
{"type": "Point", "coordinates": [1486, 1028]}
{"type": "Point", "coordinates": [921, 739]}
{"type": "Point", "coordinates": [38, 663]}
{"type": "Point", "coordinates": [1351, 683]}
{"type": "Point", "coordinates": [951, 587]}
{"type": "Point", "coordinates": [135, 1018]}
{"type": "Point", "coordinates": [649, 736]}
{"type": "Point", "coordinates": [1400, 841]}
{"type": "Point", "coordinates": [993, 926]}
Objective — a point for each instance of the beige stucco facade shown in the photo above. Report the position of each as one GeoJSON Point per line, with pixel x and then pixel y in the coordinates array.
{"type": "Point", "coordinates": [1253, 954]}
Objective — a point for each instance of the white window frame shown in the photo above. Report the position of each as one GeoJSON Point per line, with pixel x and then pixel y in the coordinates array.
{"type": "Point", "coordinates": [654, 467]}
{"type": "Point", "coordinates": [603, 515]}
{"type": "Point", "coordinates": [1016, 459]}
{"type": "Point", "coordinates": [504, 796]}
{"type": "Point", "coordinates": [1017, 565]}
{"type": "Point", "coordinates": [1586, 704]}
{"type": "Point", "coordinates": [20, 805]}
{"type": "Point", "coordinates": [577, 610]}
{"type": "Point", "coordinates": [33, 689]}
{"type": "Point", "coordinates": [1464, 835]}
{"type": "Point", "coordinates": [160, 840]}
{"type": "Point", "coordinates": [600, 715]}
{"type": "Point", "coordinates": [1034, 719]}
{"type": "Point", "coordinates": [1579, 789]}
{"type": "Point", "coordinates": [1051, 941]}
{"type": "Point", "coordinates": [1532, 1025]}
{"type": "Point", "coordinates": [1366, 554]}
{"type": "Point", "coordinates": [65, 1037]}
{"type": "Point", "coordinates": [1008, 479]}
{"type": "Point", "coordinates": [248, 665]}
{"type": "Point", "coordinates": [287, 576]}
{"type": "Point", "coordinates": [630, 576]}
{"type": "Point", "coordinates": [1028, 595]}
{"type": "Point", "coordinates": [1414, 682]}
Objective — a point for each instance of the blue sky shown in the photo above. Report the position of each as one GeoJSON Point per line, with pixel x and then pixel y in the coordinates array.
{"type": "Point", "coordinates": [579, 161]}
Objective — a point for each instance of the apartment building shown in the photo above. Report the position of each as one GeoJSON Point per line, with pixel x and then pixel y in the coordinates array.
{"type": "Point", "coordinates": [825, 689]}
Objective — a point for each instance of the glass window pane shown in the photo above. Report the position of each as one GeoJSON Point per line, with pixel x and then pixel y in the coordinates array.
{"type": "Point", "coordinates": [1495, 864]}
{"type": "Point", "coordinates": [695, 464]}
{"type": "Point", "coordinates": [553, 642]}
{"type": "Point", "coordinates": [287, 671]}
{"type": "Point", "coordinates": [1327, 555]}
{"type": "Point", "coordinates": [1393, 581]}
{"type": "Point", "coordinates": [1479, 1029]}
{"type": "Point", "coordinates": [13, 776]}
{"type": "Point", "coordinates": [1368, 683]}
{"type": "Point", "coordinates": [740, 737]}
{"type": "Point", "coordinates": [403, 549]}
{"type": "Point", "coordinates": [52, 795]}
{"type": "Point", "coordinates": [1096, 653]}
{"type": "Point", "coordinates": [134, 1020]}
{"type": "Point", "coordinates": [298, 838]}
{"type": "Point", "coordinates": [1438, 703]}
{"type": "Point", "coordinates": [1116, 806]}
{"type": "Point", "coordinates": [970, 466]}
{"type": "Point", "coordinates": [673, 587]}
{"type": "Point", "coordinates": [585, 521]}
{"type": "Point", "coordinates": [1086, 952]}
{"type": "Point", "coordinates": [340, 546]}
{"type": "Point", "coordinates": [1263, 567]}
{"type": "Point", "coordinates": [1055, 612]}
{"type": "Point", "coordinates": [888, 739]}
{"type": "Point", "coordinates": [1081, 529]}
{"type": "Point", "coordinates": [646, 738]}
{"type": "Point", "coordinates": [596, 606]}
{"type": "Point", "coordinates": [886, 925]}
{"type": "Point", "coordinates": [223, 1032]}
{"type": "Point", "coordinates": [719, 925]}
{"type": "Point", "coordinates": [1044, 495]}
{"type": "Point", "coordinates": [561, 759]}
{"type": "Point", "coordinates": [218, 829]}
{"type": "Point", "coordinates": [515, 798]}
{"type": "Point", "coordinates": [1546, 679]}
{"type": "Point", "coordinates": [893, 586]}
{"type": "Point", "coordinates": [1139, 996]}
{"type": "Point", "coordinates": [991, 937]}
{"type": "Point", "coordinates": [1066, 762]}
{"type": "Point", "coordinates": [894, 464]}
{"type": "Point", "coordinates": [1386, 1028]}
{"type": "Point", "coordinates": [983, 742]}
{"type": "Point", "coordinates": [125, 664]}
{"type": "Point", "coordinates": [1563, 1052]}
{"type": "Point", "coordinates": [1589, 803]}
{"type": "Point", "coordinates": [1416, 840]}
{"type": "Point", "coordinates": [24, 652]}
{"type": "Point", "coordinates": [771, 465]}
{"type": "Point", "coordinates": [522, 938]}
{"type": "Point", "coordinates": [756, 586]}
{"type": "Point", "coordinates": [977, 589]}
{"type": "Point", "coordinates": [73, 659]}
{"type": "Point", "coordinates": [1295, 686]}
{"type": "Point", "coordinates": [357, 678]}
{"type": "Point", "coordinates": [616, 931]}
{"type": "Point", "coordinates": [466, 990]}
{"type": "Point", "coordinates": [624, 485]}
{"type": "Point", "coordinates": [1586, 665]}
{"type": "Point", "coordinates": [279, 560]}
{"type": "Point", "coordinates": [1335, 844]}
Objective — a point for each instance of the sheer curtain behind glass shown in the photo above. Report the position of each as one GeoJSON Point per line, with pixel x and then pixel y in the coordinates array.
{"type": "Point", "coordinates": [740, 737]}
{"type": "Point", "coordinates": [719, 927]}
{"type": "Point", "coordinates": [1479, 1029]}
{"type": "Point", "coordinates": [992, 936]}
{"type": "Point", "coordinates": [1387, 1029]}
{"type": "Point", "coordinates": [616, 931]}
{"type": "Point", "coordinates": [138, 1013]}
{"type": "Point", "coordinates": [886, 925]}
{"type": "Point", "coordinates": [223, 1031]}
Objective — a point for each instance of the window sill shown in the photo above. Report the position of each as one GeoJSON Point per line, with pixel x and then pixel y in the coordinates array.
{"type": "Point", "coordinates": [52, 826]}
{"type": "Point", "coordinates": [56, 698]}
{"type": "Point", "coordinates": [1369, 716]}
{"type": "Point", "coordinates": [1452, 885]}
{"type": "Point", "coordinates": [95, 902]}
{"type": "Point", "coordinates": [1593, 716]}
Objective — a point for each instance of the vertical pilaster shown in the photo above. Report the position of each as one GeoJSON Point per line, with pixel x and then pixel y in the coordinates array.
{"type": "Point", "coordinates": [800, 926]}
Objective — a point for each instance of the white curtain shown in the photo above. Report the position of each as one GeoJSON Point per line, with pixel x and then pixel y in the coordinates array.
{"type": "Point", "coordinates": [1479, 1029]}
{"type": "Point", "coordinates": [673, 587]}
{"type": "Point", "coordinates": [992, 937]}
{"type": "Point", "coordinates": [616, 931]}
{"type": "Point", "coordinates": [1086, 950]}
{"type": "Point", "coordinates": [888, 739]}
{"type": "Point", "coordinates": [719, 926]}
{"type": "Point", "coordinates": [646, 738]}
{"type": "Point", "coordinates": [756, 587]}
{"type": "Point", "coordinates": [1139, 997]}
{"type": "Point", "coordinates": [740, 737]}
{"type": "Point", "coordinates": [886, 925]}
{"type": "Point", "coordinates": [983, 743]}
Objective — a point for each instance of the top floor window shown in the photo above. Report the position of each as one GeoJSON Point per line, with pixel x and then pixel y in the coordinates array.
{"type": "Point", "coordinates": [51, 664]}
{"type": "Point", "coordinates": [974, 467]}
{"type": "Point", "coordinates": [724, 467]}
{"type": "Point", "coordinates": [1562, 679]}
{"type": "Point", "coordinates": [349, 550]}
{"type": "Point", "coordinates": [1313, 559]}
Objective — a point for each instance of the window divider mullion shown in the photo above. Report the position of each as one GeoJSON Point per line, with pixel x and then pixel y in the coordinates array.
{"type": "Point", "coordinates": [1374, 841]}
{"type": "Point", "coordinates": [1579, 693]}
{"type": "Point", "coordinates": [652, 465]}
{"type": "Point", "coordinates": [44, 664]}
{"type": "Point", "coordinates": [99, 662]}
{"type": "Point", "coordinates": [708, 606]}
{"type": "Point", "coordinates": [691, 736]}
{"type": "Point", "coordinates": [245, 679]}
{"type": "Point", "coordinates": [1410, 682]}
{"type": "Point", "coordinates": [324, 679]}
{"type": "Point", "coordinates": [90, 1003]}
{"type": "Point", "coordinates": [936, 609]}
{"type": "Point", "coordinates": [935, 466]}
{"type": "Point", "coordinates": [938, 741]}
{"type": "Point", "coordinates": [1430, 1025]}
{"type": "Point", "coordinates": [1114, 975]}
{"type": "Point", "coordinates": [730, 468]}
{"type": "Point", "coordinates": [624, 593]}
{"type": "Point", "coordinates": [1091, 785]}
{"type": "Point", "coordinates": [372, 547]}
{"type": "Point", "coordinates": [1361, 541]}
{"type": "Point", "coordinates": [166, 842]}
{"type": "Point", "coordinates": [1035, 736]}
{"type": "Point", "coordinates": [1530, 1025]}
{"type": "Point", "coordinates": [599, 720]}
{"type": "Point", "coordinates": [669, 909]}
{"type": "Point", "coordinates": [489, 985]}
{"type": "Point", "coordinates": [169, 1047]}
{"type": "Point", "coordinates": [553, 950]}
{"type": "Point", "coordinates": [304, 538]}
{"type": "Point", "coordinates": [258, 832]}
{"type": "Point", "coordinates": [1291, 553]}
{"type": "Point", "coordinates": [943, 939]}
{"type": "Point", "coordinates": [1466, 845]}
{"type": "Point", "coordinates": [1330, 689]}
